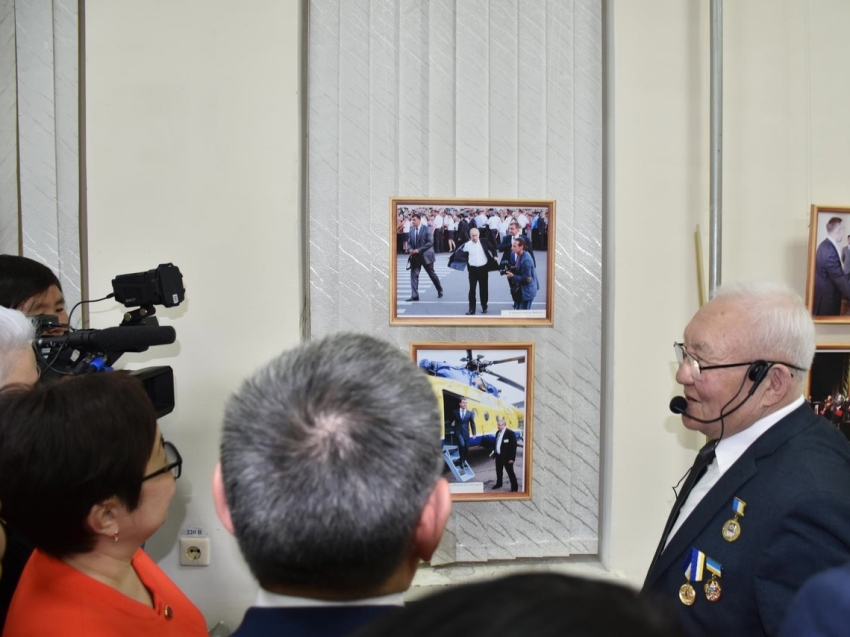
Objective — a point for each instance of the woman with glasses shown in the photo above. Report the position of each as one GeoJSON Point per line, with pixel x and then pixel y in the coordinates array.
{"type": "Point", "coordinates": [86, 475]}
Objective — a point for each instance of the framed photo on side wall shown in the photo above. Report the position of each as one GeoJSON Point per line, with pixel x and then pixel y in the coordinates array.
{"type": "Point", "coordinates": [485, 397]}
{"type": "Point", "coordinates": [471, 261]}
{"type": "Point", "coordinates": [828, 274]}
{"type": "Point", "coordinates": [829, 384]}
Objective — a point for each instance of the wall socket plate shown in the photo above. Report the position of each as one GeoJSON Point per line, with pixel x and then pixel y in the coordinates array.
{"type": "Point", "coordinates": [194, 551]}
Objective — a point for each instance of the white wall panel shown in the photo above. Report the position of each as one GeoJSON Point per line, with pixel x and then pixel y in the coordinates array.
{"type": "Point", "coordinates": [45, 73]}
{"type": "Point", "coordinates": [475, 98]}
{"type": "Point", "coordinates": [8, 131]}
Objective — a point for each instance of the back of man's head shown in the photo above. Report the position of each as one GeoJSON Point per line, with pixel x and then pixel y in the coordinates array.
{"type": "Point", "coordinates": [16, 335]}
{"type": "Point", "coordinates": [329, 456]}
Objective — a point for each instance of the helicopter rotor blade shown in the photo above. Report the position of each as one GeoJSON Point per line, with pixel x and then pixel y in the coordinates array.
{"type": "Point", "coordinates": [518, 359]}
{"type": "Point", "coordinates": [505, 380]}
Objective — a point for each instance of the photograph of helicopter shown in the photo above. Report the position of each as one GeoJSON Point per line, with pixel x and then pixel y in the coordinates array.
{"type": "Point", "coordinates": [479, 385]}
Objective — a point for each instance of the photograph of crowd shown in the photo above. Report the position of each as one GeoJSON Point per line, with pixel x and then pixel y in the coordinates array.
{"type": "Point", "coordinates": [828, 277]}
{"type": "Point", "coordinates": [484, 394]}
{"type": "Point", "coordinates": [462, 262]}
{"type": "Point", "coordinates": [829, 385]}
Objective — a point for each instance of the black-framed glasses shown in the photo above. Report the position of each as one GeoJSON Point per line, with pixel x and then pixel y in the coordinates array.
{"type": "Point", "coordinates": [173, 463]}
{"type": "Point", "coordinates": [697, 368]}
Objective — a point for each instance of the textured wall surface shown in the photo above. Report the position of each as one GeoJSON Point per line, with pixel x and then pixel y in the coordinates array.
{"type": "Point", "coordinates": [42, 64]}
{"type": "Point", "coordinates": [476, 99]}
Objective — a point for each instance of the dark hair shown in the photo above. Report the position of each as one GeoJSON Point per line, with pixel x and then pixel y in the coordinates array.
{"type": "Point", "coordinates": [521, 242]}
{"type": "Point", "coordinates": [21, 279]}
{"type": "Point", "coordinates": [67, 446]}
{"type": "Point", "coordinates": [539, 604]}
{"type": "Point", "coordinates": [304, 458]}
{"type": "Point", "coordinates": [833, 223]}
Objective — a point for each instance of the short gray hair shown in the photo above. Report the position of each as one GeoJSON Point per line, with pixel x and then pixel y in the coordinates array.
{"type": "Point", "coordinates": [781, 326]}
{"type": "Point", "coordinates": [328, 456]}
{"type": "Point", "coordinates": [16, 335]}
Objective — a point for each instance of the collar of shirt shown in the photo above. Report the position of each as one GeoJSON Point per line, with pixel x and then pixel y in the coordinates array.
{"type": "Point", "coordinates": [267, 599]}
{"type": "Point", "coordinates": [837, 247]}
{"type": "Point", "coordinates": [729, 449]}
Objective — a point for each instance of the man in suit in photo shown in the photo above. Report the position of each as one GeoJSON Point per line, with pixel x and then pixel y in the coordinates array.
{"type": "Point", "coordinates": [845, 256]}
{"type": "Point", "coordinates": [330, 480]}
{"type": "Point", "coordinates": [831, 282]}
{"type": "Point", "coordinates": [505, 454]}
{"type": "Point", "coordinates": [463, 419]}
{"type": "Point", "coordinates": [421, 249]}
{"type": "Point", "coordinates": [765, 505]}
{"type": "Point", "coordinates": [481, 260]}
{"type": "Point", "coordinates": [522, 276]}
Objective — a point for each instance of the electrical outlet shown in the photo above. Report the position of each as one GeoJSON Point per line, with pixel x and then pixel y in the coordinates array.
{"type": "Point", "coordinates": [194, 551]}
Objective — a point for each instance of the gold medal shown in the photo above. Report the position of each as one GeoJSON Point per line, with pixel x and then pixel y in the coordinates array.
{"type": "Point", "coordinates": [712, 589]}
{"type": "Point", "coordinates": [731, 530]}
{"type": "Point", "coordinates": [687, 594]}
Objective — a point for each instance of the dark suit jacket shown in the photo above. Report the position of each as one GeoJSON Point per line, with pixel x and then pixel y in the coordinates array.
{"type": "Point", "coordinates": [505, 247]}
{"type": "Point", "coordinates": [319, 621]}
{"type": "Point", "coordinates": [822, 607]}
{"type": "Point", "coordinates": [424, 243]}
{"type": "Point", "coordinates": [508, 451]}
{"type": "Point", "coordinates": [831, 284]}
{"type": "Point", "coordinates": [795, 481]}
{"type": "Point", "coordinates": [462, 424]}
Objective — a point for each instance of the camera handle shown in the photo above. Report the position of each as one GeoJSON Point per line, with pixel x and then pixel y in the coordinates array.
{"type": "Point", "coordinates": [140, 316]}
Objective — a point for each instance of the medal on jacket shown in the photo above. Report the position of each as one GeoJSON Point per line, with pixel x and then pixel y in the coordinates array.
{"type": "Point", "coordinates": [694, 565]}
{"type": "Point", "coordinates": [732, 528]}
{"type": "Point", "coordinates": [712, 587]}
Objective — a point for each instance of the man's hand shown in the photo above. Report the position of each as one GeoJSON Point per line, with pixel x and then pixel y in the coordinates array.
{"type": "Point", "coordinates": [414, 252]}
{"type": "Point", "coordinates": [510, 275]}
{"type": "Point", "coordinates": [492, 453]}
{"type": "Point", "coordinates": [510, 461]}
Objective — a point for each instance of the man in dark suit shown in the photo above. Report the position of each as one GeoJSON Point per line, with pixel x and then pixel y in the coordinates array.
{"type": "Point", "coordinates": [765, 505]}
{"type": "Point", "coordinates": [822, 607]}
{"type": "Point", "coordinates": [509, 260]}
{"type": "Point", "coordinates": [831, 283]}
{"type": "Point", "coordinates": [421, 249]}
{"type": "Point", "coordinates": [329, 479]}
{"type": "Point", "coordinates": [463, 419]}
{"type": "Point", "coordinates": [505, 454]}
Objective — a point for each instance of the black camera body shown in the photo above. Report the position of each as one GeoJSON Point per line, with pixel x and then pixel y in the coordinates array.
{"type": "Point", "coordinates": [87, 351]}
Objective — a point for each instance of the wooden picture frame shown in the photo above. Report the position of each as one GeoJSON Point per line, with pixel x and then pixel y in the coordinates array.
{"type": "Point", "coordinates": [828, 387]}
{"type": "Point", "coordinates": [495, 379]}
{"type": "Point", "coordinates": [828, 272]}
{"type": "Point", "coordinates": [434, 286]}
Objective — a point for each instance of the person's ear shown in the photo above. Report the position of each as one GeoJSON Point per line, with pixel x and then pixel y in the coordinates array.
{"type": "Point", "coordinates": [103, 517]}
{"type": "Point", "coordinates": [219, 499]}
{"type": "Point", "coordinates": [432, 521]}
{"type": "Point", "coordinates": [779, 382]}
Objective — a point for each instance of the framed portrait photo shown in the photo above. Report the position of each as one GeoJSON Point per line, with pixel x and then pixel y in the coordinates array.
{"type": "Point", "coordinates": [471, 261]}
{"type": "Point", "coordinates": [485, 397]}
{"type": "Point", "coordinates": [828, 274]}
{"type": "Point", "coordinates": [829, 384]}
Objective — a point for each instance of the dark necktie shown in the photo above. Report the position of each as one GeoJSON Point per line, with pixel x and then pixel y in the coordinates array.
{"type": "Point", "coordinates": [704, 458]}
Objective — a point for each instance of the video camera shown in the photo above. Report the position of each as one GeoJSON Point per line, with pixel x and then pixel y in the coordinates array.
{"type": "Point", "coordinates": [87, 351]}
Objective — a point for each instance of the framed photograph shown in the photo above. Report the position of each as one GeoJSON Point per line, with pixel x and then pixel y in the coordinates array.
{"type": "Point", "coordinates": [828, 275]}
{"type": "Point", "coordinates": [485, 397]}
{"type": "Point", "coordinates": [829, 384]}
{"type": "Point", "coordinates": [471, 261]}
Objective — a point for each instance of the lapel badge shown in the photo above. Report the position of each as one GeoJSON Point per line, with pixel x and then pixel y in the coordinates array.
{"type": "Point", "coordinates": [732, 528]}
{"type": "Point", "coordinates": [712, 587]}
{"type": "Point", "coordinates": [694, 567]}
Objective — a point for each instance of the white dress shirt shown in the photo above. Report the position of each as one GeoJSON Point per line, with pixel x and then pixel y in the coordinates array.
{"type": "Point", "coordinates": [477, 257]}
{"type": "Point", "coordinates": [727, 453]}
{"type": "Point", "coordinates": [267, 599]}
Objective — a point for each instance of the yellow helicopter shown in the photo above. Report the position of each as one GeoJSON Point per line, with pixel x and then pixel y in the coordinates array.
{"type": "Point", "coordinates": [453, 382]}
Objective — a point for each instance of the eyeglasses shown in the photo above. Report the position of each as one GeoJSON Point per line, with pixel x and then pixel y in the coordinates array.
{"type": "Point", "coordinates": [682, 356]}
{"type": "Point", "coordinates": [173, 463]}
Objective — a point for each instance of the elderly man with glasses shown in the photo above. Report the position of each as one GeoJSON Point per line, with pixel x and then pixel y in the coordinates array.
{"type": "Point", "coordinates": [767, 503]}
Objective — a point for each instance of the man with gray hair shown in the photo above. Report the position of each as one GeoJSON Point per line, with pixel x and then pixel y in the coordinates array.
{"type": "Point", "coordinates": [17, 357]}
{"type": "Point", "coordinates": [329, 479]}
{"type": "Point", "coordinates": [766, 504]}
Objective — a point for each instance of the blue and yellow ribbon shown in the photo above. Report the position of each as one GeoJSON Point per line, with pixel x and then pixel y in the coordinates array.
{"type": "Point", "coordinates": [713, 566]}
{"type": "Point", "coordinates": [738, 505]}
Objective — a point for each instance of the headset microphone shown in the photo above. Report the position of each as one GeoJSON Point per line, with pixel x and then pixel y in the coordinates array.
{"type": "Point", "coordinates": [757, 373]}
